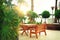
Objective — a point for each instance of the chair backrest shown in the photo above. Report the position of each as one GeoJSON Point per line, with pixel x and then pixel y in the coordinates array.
{"type": "Point", "coordinates": [41, 27]}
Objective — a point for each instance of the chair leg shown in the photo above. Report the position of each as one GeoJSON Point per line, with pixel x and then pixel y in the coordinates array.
{"type": "Point", "coordinates": [45, 33]}
{"type": "Point", "coordinates": [39, 33]}
{"type": "Point", "coordinates": [30, 32]}
{"type": "Point", "coordinates": [22, 32]}
{"type": "Point", "coordinates": [26, 33]}
{"type": "Point", "coordinates": [36, 35]}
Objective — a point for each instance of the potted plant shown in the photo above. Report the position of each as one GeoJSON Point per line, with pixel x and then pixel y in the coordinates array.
{"type": "Point", "coordinates": [57, 14]}
{"type": "Point", "coordinates": [31, 16]}
{"type": "Point", "coordinates": [45, 14]}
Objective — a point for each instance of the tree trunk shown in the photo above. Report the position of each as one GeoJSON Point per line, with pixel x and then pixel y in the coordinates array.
{"type": "Point", "coordinates": [45, 20]}
{"type": "Point", "coordinates": [32, 5]}
{"type": "Point", "coordinates": [58, 20]}
{"type": "Point", "coordinates": [56, 5]}
{"type": "Point", "coordinates": [55, 10]}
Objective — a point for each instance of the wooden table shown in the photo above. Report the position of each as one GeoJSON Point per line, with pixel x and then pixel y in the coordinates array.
{"type": "Point", "coordinates": [26, 27]}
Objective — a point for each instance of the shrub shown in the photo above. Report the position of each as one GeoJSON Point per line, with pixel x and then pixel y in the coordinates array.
{"type": "Point", "coordinates": [45, 14]}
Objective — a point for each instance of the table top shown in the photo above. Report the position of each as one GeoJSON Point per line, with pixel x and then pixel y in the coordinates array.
{"type": "Point", "coordinates": [29, 25]}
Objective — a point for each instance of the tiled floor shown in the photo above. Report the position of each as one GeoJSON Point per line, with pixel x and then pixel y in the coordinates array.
{"type": "Point", "coordinates": [51, 35]}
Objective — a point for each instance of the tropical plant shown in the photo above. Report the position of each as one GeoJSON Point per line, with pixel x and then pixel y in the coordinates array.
{"type": "Point", "coordinates": [32, 15]}
{"type": "Point", "coordinates": [57, 14]}
{"type": "Point", "coordinates": [1, 15]}
{"type": "Point", "coordinates": [9, 21]}
{"type": "Point", "coordinates": [45, 14]}
{"type": "Point", "coordinates": [10, 24]}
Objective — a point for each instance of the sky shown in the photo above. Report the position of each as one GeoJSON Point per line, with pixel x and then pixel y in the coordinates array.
{"type": "Point", "coordinates": [42, 5]}
{"type": "Point", "coordinates": [39, 5]}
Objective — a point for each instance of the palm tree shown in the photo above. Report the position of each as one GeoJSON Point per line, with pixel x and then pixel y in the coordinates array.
{"type": "Point", "coordinates": [56, 5]}
{"type": "Point", "coordinates": [55, 10]}
{"type": "Point", "coordinates": [22, 2]}
{"type": "Point", "coordinates": [32, 5]}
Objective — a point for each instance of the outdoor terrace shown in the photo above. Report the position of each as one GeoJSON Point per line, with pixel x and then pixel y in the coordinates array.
{"type": "Point", "coordinates": [51, 35]}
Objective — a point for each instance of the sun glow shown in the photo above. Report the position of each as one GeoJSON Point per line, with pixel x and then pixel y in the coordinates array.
{"type": "Point", "coordinates": [26, 7]}
{"type": "Point", "coordinates": [23, 7]}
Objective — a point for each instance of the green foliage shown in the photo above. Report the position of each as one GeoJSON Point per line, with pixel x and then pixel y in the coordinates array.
{"type": "Point", "coordinates": [8, 33]}
{"type": "Point", "coordinates": [57, 14]}
{"type": "Point", "coordinates": [38, 23]}
{"type": "Point", "coordinates": [32, 14]}
{"type": "Point", "coordinates": [11, 17]}
{"type": "Point", "coordinates": [1, 16]}
{"type": "Point", "coordinates": [10, 23]}
{"type": "Point", "coordinates": [45, 14]}
{"type": "Point", "coordinates": [22, 18]}
{"type": "Point", "coordinates": [31, 22]}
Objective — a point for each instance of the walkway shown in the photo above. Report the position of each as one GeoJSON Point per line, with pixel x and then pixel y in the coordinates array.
{"type": "Point", "coordinates": [51, 35]}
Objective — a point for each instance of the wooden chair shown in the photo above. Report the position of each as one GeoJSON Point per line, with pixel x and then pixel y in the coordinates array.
{"type": "Point", "coordinates": [24, 28]}
{"type": "Point", "coordinates": [38, 29]}
{"type": "Point", "coordinates": [27, 27]}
